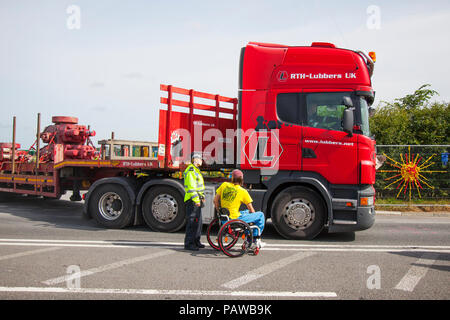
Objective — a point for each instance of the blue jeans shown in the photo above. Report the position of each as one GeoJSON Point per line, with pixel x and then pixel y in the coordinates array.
{"type": "Point", "coordinates": [257, 218]}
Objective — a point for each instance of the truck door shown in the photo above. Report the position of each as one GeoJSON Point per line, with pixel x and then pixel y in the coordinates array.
{"type": "Point", "coordinates": [327, 149]}
{"type": "Point", "coordinates": [288, 115]}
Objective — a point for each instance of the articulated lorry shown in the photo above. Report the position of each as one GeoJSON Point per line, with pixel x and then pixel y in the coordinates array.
{"type": "Point", "coordinates": [299, 130]}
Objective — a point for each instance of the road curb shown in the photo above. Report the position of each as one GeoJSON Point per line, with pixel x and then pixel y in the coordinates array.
{"type": "Point", "coordinates": [412, 213]}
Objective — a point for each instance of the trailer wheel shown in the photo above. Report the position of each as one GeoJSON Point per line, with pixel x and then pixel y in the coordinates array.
{"type": "Point", "coordinates": [298, 213]}
{"type": "Point", "coordinates": [111, 206]}
{"type": "Point", "coordinates": [163, 209]}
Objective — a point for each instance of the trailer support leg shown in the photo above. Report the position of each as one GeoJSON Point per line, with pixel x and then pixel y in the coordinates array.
{"type": "Point", "coordinates": [76, 191]}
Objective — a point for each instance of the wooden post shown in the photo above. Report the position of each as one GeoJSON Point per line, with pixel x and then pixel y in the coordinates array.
{"type": "Point", "coordinates": [168, 118]}
{"type": "Point", "coordinates": [89, 130]}
{"type": "Point", "coordinates": [13, 170]}
{"type": "Point", "coordinates": [38, 141]}
{"type": "Point", "coordinates": [217, 110]}
{"type": "Point", "coordinates": [235, 103]}
{"type": "Point", "coordinates": [191, 126]}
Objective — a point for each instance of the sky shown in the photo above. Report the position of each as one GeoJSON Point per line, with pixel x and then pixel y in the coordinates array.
{"type": "Point", "coordinates": [106, 67]}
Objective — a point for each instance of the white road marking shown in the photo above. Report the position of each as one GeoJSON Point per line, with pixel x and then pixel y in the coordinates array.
{"type": "Point", "coordinates": [71, 241]}
{"type": "Point", "coordinates": [416, 273]}
{"type": "Point", "coordinates": [107, 267]}
{"type": "Point", "coordinates": [353, 245]}
{"type": "Point", "coordinates": [27, 253]}
{"type": "Point", "coordinates": [269, 247]}
{"type": "Point", "coordinates": [264, 270]}
{"type": "Point", "coordinates": [388, 249]}
{"type": "Point", "coordinates": [112, 244]}
{"type": "Point", "coordinates": [180, 245]}
{"type": "Point", "coordinates": [172, 292]}
{"type": "Point", "coordinates": [126, 242]}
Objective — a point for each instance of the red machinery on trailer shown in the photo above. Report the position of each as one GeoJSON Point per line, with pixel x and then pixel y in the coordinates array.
{"type": "Point", "coordinates": [299, 131]}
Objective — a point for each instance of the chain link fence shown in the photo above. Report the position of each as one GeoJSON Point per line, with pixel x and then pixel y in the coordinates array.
{"type": "Point", "coordinates": [414, 175]}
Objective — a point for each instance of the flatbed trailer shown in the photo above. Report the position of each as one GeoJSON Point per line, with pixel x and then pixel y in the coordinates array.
{"type": "Point", "coordinates": [134, 174]}
{"type": "Point", "coordinates": [305, 176]}
{"type": "Point", "coordinates": [51, 180]}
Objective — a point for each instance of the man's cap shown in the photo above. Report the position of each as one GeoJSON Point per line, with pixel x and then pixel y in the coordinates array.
{"type": "Point", "coordinates": [196, 154]}
{"type": "Point", "coordinates": [236, 173]}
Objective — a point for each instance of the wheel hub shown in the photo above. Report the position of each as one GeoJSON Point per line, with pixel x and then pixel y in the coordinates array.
{"type": "Point", "coordinates": [164, 208]}
{"type": "Point", "coordinates": [110, 206]}
{"type": "Point", "coordinates": [299, 214]}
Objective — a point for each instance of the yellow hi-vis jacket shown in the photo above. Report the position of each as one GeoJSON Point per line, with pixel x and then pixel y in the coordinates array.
{"type": "Point", "coordinates": [193, 184]}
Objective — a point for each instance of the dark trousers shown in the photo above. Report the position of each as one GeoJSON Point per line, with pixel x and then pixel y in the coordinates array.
{"type": "Point", "coordinates": [193, 224]}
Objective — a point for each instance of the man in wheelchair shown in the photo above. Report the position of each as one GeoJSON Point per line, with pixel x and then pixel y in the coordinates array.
{"type": "Point", "coordinates": [230, 195]}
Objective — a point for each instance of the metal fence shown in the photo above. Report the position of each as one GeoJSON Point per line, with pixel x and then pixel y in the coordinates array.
{"type": "Point", "coordinates": [414, 174]}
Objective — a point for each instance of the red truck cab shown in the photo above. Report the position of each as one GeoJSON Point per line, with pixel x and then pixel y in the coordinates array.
{"type": "Point", "coordinates": [295, 98]}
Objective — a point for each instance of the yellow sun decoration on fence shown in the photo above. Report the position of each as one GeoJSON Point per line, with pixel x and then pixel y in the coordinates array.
{"type": "Point", "coordinates": [409, 173]}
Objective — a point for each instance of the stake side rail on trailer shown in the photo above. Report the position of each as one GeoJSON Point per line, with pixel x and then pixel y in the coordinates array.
{"type": "Point", "coordinates": [156, 195]}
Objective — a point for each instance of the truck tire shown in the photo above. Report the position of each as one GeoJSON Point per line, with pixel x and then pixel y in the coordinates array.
{"type": "Point", "coordinates": [298, 213]}
{"type": "Point", "coordinates": [111, 207]}
{"type": "Point", "coordinates": [163, 209]}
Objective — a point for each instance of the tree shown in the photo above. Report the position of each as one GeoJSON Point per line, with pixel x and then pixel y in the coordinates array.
{"type": "Point", "coordinates": [412, 119]}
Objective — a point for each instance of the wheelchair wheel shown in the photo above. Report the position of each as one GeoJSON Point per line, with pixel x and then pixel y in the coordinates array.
{"type": "Point", "coordinates": [212, 234]}
{"type": "Point", "coordinates": [235, 237]}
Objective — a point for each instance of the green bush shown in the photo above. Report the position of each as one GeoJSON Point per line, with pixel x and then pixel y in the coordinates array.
{"type": "Point", "coordinates": [413, 120]}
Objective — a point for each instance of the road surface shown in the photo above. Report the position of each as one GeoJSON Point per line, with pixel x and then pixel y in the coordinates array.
{"type": "Point", "coordinates": [43, 244]}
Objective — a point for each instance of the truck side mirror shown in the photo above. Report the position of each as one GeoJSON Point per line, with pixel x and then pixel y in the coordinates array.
{"type": "Point", "coordinates": [347, 121]}
{"type": "Point", "coordinates": [347, 102]}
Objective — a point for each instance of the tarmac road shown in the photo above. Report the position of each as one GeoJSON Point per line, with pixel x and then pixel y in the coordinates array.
{"type": "Point", "coordinates": [43, 243]}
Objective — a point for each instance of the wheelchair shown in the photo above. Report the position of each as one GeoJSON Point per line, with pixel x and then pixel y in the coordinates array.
{"type": "Point", "coordinates": [231, 236]}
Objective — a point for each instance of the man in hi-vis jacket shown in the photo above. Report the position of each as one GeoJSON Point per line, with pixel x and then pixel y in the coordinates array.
{"type": "Point", "coordinates": [194, 198]}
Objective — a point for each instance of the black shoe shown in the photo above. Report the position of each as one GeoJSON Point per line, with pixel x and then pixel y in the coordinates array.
{"type": "Point", "coordinates": [200, 245]}
{"type": "Point", "coordinates": [191, 248]}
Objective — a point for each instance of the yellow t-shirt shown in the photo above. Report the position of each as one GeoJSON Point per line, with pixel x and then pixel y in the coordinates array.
{"type": "Point", "coordinates": [231, 197]}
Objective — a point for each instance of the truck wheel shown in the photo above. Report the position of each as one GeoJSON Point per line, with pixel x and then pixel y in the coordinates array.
{"type": "Point", "coordinates": [163, 209]}
{"type": "Point", "coordinates": [111, 206]}
{"type": "Point", "coordinates": [298, 213]}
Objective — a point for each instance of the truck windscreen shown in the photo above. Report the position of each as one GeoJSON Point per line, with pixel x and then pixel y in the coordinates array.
{"type": "Point", "coordinates": [364, 117]}
{"type": "Point", "coordinates": [321, 110]}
